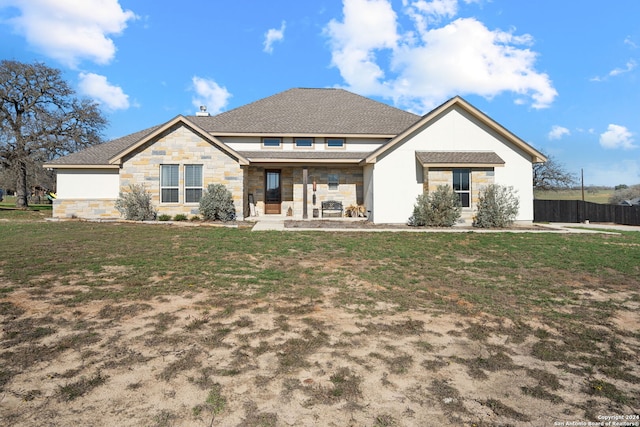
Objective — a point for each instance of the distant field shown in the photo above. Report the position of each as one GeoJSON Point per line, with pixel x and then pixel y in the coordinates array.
{"type": "Point", "coordinates": [594, 196]}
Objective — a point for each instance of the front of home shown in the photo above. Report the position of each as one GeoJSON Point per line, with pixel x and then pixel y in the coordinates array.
{"type": "Point", "coordinates": [286, 154]}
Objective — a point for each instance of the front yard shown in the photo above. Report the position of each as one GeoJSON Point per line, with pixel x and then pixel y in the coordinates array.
{"type": "Point", "coordinates": [158, 325]}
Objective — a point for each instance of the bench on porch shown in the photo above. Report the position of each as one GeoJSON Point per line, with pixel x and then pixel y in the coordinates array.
{"type": "Point", "coordinates": [332, 206]}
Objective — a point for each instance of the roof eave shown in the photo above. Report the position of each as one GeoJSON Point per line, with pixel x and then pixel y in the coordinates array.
{"type": "Point", "coordinates": [306, 161]}
{"type": "Point", "coordinates": [462, 165]}
{"type": "Point", "coordinates": [79, 166]}
{"type": "Point", "coordinates": [302, 135]}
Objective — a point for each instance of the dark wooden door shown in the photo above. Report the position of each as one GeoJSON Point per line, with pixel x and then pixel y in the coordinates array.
{"type": "Point", "coordinates": [272, 192]}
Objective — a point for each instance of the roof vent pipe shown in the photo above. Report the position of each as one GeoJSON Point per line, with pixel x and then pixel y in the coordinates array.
{"type": "Point", "coordinates": [203, 112]}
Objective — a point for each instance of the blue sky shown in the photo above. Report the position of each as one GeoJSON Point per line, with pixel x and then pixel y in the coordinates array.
{"type": "Point", "coordinates": [561, 75]}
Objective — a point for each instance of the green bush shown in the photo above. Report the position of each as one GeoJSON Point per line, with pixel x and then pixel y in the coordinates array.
{"type": "Point", "coordinates": [438, 209]}
{"type": "Point", "coordinates": [180, 217]}
{"type": "Point", "coordinates": [136, 204]}
{"type": "Point", "coordinates": [497, 207]}
{"type": "Point", "coordinates": [164, 217]}
{"type": "Point", "coordinates": [217, 204]}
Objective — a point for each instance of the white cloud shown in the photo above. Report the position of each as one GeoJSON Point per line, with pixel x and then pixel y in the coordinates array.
{"type": "Point", "coordinates": [629, 42]}
{"type": "Point", "coordinates": [629, 66]}
{"type": "Point", "coordinates": [462, 57]}
{"type": "Point", "coordinates": [424, 12]}
{"type": "Point", "coordinates": [272, 36]}
{"type": "Point", "coordinates": [617, 136]}
{"type": "Point", "coordinates": [209, 94]}
{"type": "Point", "coordinates": [557, 132]}
{"type": "Point", "coordinates": [71, 30]}
{"type": "Point", "coordinates": [97, 87]}
{"type": "Point", "coordinates": [368, 26]}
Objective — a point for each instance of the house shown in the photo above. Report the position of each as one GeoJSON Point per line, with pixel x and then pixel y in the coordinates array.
{"type": "Point", "coordinates": [631, 202]}
{"type": "Point", "coordinates": [287, 153]}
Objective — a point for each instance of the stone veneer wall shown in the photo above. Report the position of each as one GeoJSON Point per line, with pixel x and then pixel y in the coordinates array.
{"type": "Point", "coordinates": [349, 192]}
{"type": "Point", "coordinates": [87, 209]}
{"type": "Point", "coordinates": [480, 178]}
{"type": "Point", "coordinates": [179, 145]}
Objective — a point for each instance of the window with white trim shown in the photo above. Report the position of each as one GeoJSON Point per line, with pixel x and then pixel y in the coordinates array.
{"type": "Point", "coordinates": [303, 142]}
{"type": "Point", "coordinates": [192, 183]}
{"type": "Point", "coordinates": [169, 183]}
{"type": "Point", "coordinates": [271, 142]}
{"type": "Point", "coordinates": [462, 186]}
{"type": "Point", "coordinates": [335, 142]}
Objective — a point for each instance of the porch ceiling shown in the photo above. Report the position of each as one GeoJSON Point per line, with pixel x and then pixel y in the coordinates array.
{"type": "Point", "coordinates": [304, 156]}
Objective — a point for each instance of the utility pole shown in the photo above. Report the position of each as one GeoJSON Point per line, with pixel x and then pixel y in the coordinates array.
{"type": "Point", "coordinates": [582, 182]}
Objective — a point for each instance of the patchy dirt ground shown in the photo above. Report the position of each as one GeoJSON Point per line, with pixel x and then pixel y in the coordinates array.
{"type": "Point", "coordinates": [191, 361]}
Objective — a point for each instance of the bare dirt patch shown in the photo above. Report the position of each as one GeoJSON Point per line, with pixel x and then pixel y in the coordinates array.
{"type": "Point", "coordinates": [183, 360]}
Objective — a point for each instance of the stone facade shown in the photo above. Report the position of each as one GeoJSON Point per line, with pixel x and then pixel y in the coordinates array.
{"type": "Point", "coordinates": [480, 178]}
{"type": "Point", "coordinates": [349, 189]}
{"type": "Point", "coordinates": [87, 209]}
{"type": "Point", "coordinates": [180, 146]}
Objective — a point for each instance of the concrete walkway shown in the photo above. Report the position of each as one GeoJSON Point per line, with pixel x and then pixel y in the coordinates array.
{"type": "Point", "coordinates": [268, 223]}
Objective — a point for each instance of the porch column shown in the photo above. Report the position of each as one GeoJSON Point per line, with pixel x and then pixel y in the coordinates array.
{"type": "Point", "coordinates": [305, 179]}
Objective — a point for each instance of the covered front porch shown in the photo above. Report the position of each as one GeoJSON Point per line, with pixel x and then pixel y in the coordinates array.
{"type": "Point", "coordinates": [298, 190]}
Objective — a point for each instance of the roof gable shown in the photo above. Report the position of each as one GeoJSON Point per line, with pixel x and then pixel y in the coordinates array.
{"type": "Point", "coordinates": [536, 156]}
{"type": "Point", "coordinates": [311, 111]}
{"type": "Point", "coordinates": [118, 158]}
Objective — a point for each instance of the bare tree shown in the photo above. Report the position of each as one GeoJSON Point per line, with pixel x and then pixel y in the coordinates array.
{"type": "Point", "coordinates": [551, 175]}
{"type": "Point", "coordinates": [41, 119]}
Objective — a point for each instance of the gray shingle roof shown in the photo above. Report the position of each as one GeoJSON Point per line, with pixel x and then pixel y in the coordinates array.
{"type": "Point", "coordinates": [459, 157]}
{"type": "Point", "coordinates": [311, 111]}
{"type": "Point", "coordinates": [101, 153]}
{"type": "Point", "coordinates": [295, 111]}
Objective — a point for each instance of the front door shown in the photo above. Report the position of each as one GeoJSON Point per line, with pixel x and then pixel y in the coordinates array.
{"type": "Point", "coordinates": [272, 192]}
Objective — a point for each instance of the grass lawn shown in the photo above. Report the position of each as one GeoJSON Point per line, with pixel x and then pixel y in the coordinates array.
{"type": "Point", "coordinates": [166, 325]}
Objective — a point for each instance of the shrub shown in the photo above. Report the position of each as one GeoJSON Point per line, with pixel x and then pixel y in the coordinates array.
{"type": "Point", "coordinates": [497, 207]}
{"type": "Point", "coordinates": [136, 204]}
{"type": "Point", "coordinates": [164, 217]}
{"type": "Point", "coordinates": [626, 193]}
{"type": "Point", "coordinates": [438, 209]}
{"type": "Point", "coordinates": [180, 217]}
{"type": "Point", "coordinates": [217, 204]}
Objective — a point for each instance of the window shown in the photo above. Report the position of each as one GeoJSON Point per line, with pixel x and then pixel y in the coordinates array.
{"type": "Point", "coordinates": [169, 182]}
{"type": "Point", "coordinates": [192, 183]}
{"type": "Point", "coordinates": [335, 142]}
{"type": "Point", "coordinates": [304, 142]}
{"type": "Point", "coordinates": [271, 142]}
{"type": "Point", "coordinates": [462, 186]}
{"type": "Point", "coordinates": [333, 181]}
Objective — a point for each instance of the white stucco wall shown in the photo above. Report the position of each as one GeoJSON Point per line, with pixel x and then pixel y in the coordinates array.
{"type": "Point", "coordinates": [238, 143]}
{"type": "Point", "coordinates": [398, 175]}
{"type": "Point", "coordinates": [88, 183]}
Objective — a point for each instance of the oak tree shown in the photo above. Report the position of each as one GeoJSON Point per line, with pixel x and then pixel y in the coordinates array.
{"type": "Point", "coordinates": [551, 175]}
{"type": "Point", "coordinates": [41, 119]}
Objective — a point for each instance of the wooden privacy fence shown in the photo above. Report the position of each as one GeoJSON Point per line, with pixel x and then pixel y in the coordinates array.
{"type": "Point", "coordinates": [579, 211]}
